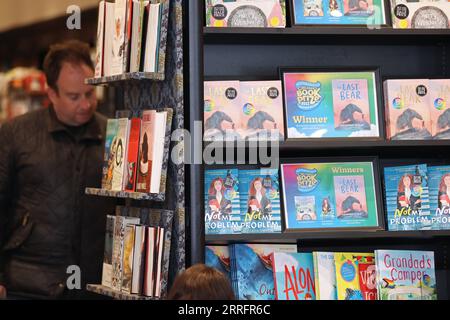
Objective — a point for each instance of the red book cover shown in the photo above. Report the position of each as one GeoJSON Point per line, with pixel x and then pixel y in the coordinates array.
{"type": "Point", "coordinates": [367, 279]}
{"type": "Point", "coordinates": [133, 155]}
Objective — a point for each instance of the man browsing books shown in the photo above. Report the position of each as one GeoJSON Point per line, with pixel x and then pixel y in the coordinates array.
{"type": "Point", "coordinates": [47, 158]}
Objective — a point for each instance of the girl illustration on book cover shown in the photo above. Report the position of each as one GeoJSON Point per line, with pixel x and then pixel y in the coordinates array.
{"type": "Point", "coordinates": [257, 199]}
{"type": "Point", "coordinates": [217, 203]}
{"type": "Point", "coordinates": [444, 192]}
{"type": "Point", "coordinates": [408, 195]}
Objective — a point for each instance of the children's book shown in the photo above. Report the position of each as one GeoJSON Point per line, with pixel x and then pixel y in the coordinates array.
{"type": "Point", "coordinates": [222, 209]}
{"type": "Point", "coordinates": [253, 279]}
{"type": "Point", "coordinates": [119, 149]}
{"type": "Point", "coordinates": [439, 101]}
{"type": "Point", "coordinates": [262, 110]}
{"type": "Point", "coordinates": [325, 276]}
{"type": "Point", "coordinates": [407, 198]}
{"type": "Point", "coordinates": [293, 276]}
{"type": "Point", "coordinates": [218, 257]}
{"type": "Point", "coordinates": [368, 278]}
{"type": "Point", "coordinates": [109, 154]}
{"type": "Point", "coordinates": [405, 275]}
{"type": "Point", "coordinates": [407, 109]}
{"type": "Point", "coordinates": [439, 187]}
{"type": "Point", "coordinates": [331, 104]}
{"type": "Point", "coordinates": [420, 14]}
{"type": "Point", "coordinates": [259, 194]}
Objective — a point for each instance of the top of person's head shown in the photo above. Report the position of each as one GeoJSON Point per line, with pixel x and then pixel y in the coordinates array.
{"type": "Point", "coordinates": [201, 282]}
{"type": "Point", "coordinates": [72, 51]}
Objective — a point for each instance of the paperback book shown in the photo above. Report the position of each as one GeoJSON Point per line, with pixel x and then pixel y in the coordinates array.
{"type": "Point", "coordinates": [439, 187]}
{"type": "Point", "coordinates": [420, 14]}
{"type": "Point", "coordinates": [325, 276]}
{"type": "Point", "coordinates": [218, 257]}
{"type": "Point", "coordinates": [439, 100]}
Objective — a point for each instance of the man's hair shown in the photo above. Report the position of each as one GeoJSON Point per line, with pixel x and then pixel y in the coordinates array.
{"type": "Point", "coordinates": [201, 282]}
{"type": "Point", "coordinates": [72, 51]}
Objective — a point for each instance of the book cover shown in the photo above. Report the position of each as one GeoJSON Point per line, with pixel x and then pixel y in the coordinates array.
{"type": "Point", "coordinates": [159, 250]}
{"type": "Point", "coordinates": [218, 257]}
{"type": "Point", "coordinates": [138, 259]}
{"type": "Point", "coordinates": [405, 275]}
{"type": "Point", "coordinates": [440, 108]}
{"type": "Point", "coordinates": [262, 110]}
{"type": "Point", "coordinates": [329, 195]}
{"type": "Point", "coordinates": [150, 256]}
{"type": "Point", "coordinates": [368, 278]}
{"type": "Point", "coordinates": [109, 155]}
{"type": "Point", "coordinates": [331, 104]}
{"type": "Point", "coordinates": [118, 44]}
{"type": "Point", "coordinates": [339, 12]}
{"type": "Point", "coordinates": [152, 37]}
{"type": "Point", "coordinates": [222, 112]}
{"type": "Point", "coordinates": [137, 34]}
{"type": "Point", "coordinates": [420, 14]}
{"type": "Point", "coordinates": [259, 194]}
{"type": "Point", "coordinates": [407, 109]}
{"type": "Point", "coordinates": [439, 188]}
{"type": "Point", "coordinates": [133, 155]}
{"type": "Point", "coordinates": [159, 136]}
{"type": "Point", "coordinates": [108, 252]}
{"type": "Point", "coordinates": [325, 276]}
{"type": "Point", "coordinates": [254, 272]}
{"type": "Point", "coordinates": [222, 209]}
{"type": "Point", "coordinates": [146, 151]}
{"type": "Point", "coordinates": [128, 257]}
{"type": "Point", "coordinates": [293, 276]}
{"type": "Point", "coordinates": [347, 274]}
{"type": "Point", "coordinates": [99, 55]}
{"type": "Point", "coordinates": [128, 32]}
{"type": "Point", "coordinates": [407, 198]}
{"type": "Point", "coordinates": [119, 150]}
{"type": "Point", "coordinates": [248, 13]}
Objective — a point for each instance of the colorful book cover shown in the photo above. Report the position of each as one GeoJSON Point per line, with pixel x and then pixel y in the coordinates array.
{"type": "Point", "coordinates": [128, 255]}
{"type": "Point", "coordinates": [405, 275]}
{"type": "Point", "coordinates": [420, 14]}
{"type": "Point", "coordinates": [439, 91]}
{"type": "Point", "coordinates": [107, 255]}
{"type": "Point", "coordinates": [222, 110]}
{"type": "Point", "coordinates": [339, 12]}
{"type": "Point", "coordinates": [99, 55]}
{"type": "Point", "coordinates": [246, 13]}
{"type": "Point", "coordinates": [120, 148]}
{"type": "Point", "coordinates": [144, 173]}
{"type": "Point", "coordinates": [222, 209]}
{"type": "Point", "coordinates": [254, 272]}
{"type": "Point", "coordinates": [347, 274]}
{"type": "Point", "coordinates": [109, 155]}
{"type": "Point", "coordinates": [262, 110]}
{"type": "Point", "coordinates": [118, 45]}
{"type": "Point", "coordinates": [407, 109]}
{"type": "Point", "coordinates": [329, 195]}
{"type": "Point", "coordinates": [325, 276]}
{"type": "Point", "coordinates": [293, 275]}
{"type": "Point", "coordinates": [331, 105]}
{"type": "Point", "coordinates": [439, 187]}
{"type": "Point", "coordinates": [259, 194]}
{"type": "Point", "coordinates": [133, 155]}
{"type": "Point", "coordinates": [407, 198]}
{"type": "Point", "coordinates": [368, 278]}
{"type": "Point", "coordinates": [218, 257]}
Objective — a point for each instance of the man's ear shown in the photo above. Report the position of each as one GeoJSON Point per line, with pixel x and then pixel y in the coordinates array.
{"type": "Point", "coordinates": [52, 95]}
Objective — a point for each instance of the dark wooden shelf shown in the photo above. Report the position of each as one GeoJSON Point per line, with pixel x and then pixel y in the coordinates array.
{"type": "Point", "coordinates": [138, 76]}
{"type": "Point", "coordinates": [293, 237]}
{"type": "Point", "coordinates": [125, 194]}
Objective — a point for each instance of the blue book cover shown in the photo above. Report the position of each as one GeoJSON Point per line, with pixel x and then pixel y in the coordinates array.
{"type": "Point", "coordinates": [294, 276]}
{"type": "Point", "coordinates": [439, 186]}
{"type": "Point", "coordinates": [254, 272]}
{"type": "Point", "coordinates": [405, 275]}
{"type": "Point", "coordinates": [260, 201]}
{"type": "Point", "coordinates": [218, 257]}
{"type": "Point", "coordinates": [222, 213]}
{"type": "Point", "coordinates": [407, 198]}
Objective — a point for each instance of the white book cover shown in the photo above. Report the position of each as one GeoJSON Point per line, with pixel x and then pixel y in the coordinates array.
{"type": "Point", "coordinates": [159, 136]}
{"type": "Point", "coordinates": [149, 264]}
{"type": "Point", "coordinates": [119, 147]}
{"type": "Point", "coordinates": [108, 251]}
{"type": "Point", "coordinates": [152, 38]}
{"type": "Point", "coordinates": [109, 37]}
{"type": "Point", "coordinates": [127, 39]}
{"type": "Point", "coordinates": [137, 34]}
{"type": "Point", "coordinates": [325, 275]}
{"type": "Point", "coordinates": [120, 13]}
{"type": "Point", "coordinates": [159, 246]}
{"type": "Point", "coordinates": [138, 260]}
{"type": "Point", "coordinates": [99, 56]}
{"type": "Point", "coordinates": [145, 166]}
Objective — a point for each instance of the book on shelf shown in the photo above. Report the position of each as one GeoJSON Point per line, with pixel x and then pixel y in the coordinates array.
{"type": "Point", "coordinates": [128, 33]}
{"type": "Point", "coordinates": [248, 13]}
{"type": "Point", "coordinates": [159, 136]}
{"type": "Point", "coordinates": [132, 155]}
{"type": "Point", "coordinates": [420, 14]}
{"type": "Point", "coordinates": [439, 101]}
{"type": "Point", "coordinates": [108, 158]}
{"type": "Point", "coordinates": [118, 152]}
{"type": "Point", "coordinates": [367, 277]}
{"type": "Point", "coordinates": [108, 252]}
{"type": "Point", "coordinates": [128, 259]}
{"type": "Point", "coordinates": [407, 109]}
{"type": "Point", "coordinates": [218, 257]}
{"type": "Point", "coordinates": [137, 34]}
{"type": "Point", "coordinates": [119, 33]}
{"type": "Point", "coordinates": [138, 259]}
{"type": "Point", "coordinates": [109, 38]}
{"type": "Point", "coordinates": [145, 166]}
{"type": "Point", "coordinates": [100, 54]}
{"type": "Point", "coordinates": [325, 275]}
{"type": "Point", "coordinates": [293, 276]}
{"type": "Point", "coordinates": [405, 275]}
{"type": "Point", "coordinates": [152, 37]}
{"type": "Point", "coordinates": [154, 254]}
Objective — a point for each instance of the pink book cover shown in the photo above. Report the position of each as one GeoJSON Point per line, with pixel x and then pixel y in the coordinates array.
{"type": "Point", "coordinates": [407, 106]}
{"type": "Point", "coordinates": [144, 173]}
{"type": "Point", "coordinates": [350, 195]}
{"type": "Point", "coordinates": [351, 104]}
{"type": "Point", "coordinates": [221, 110]}
{"type": "Point", "coordinates": [439, 91]}
{"type": "Point", "coordinates": [262, 110]}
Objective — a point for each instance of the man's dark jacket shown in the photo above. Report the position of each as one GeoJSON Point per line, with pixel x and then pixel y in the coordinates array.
{"type": "Point", "coordinates": [47, 223]}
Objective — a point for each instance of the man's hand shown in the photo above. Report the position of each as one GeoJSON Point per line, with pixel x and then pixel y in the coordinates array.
{"type": "Point", "coordinates": [2, 292]}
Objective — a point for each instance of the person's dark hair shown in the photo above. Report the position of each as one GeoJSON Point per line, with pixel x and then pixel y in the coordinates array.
{"type": "Point", "coordinates": [201, 282]}
{"type": "Point", "coordinates": [72, 51]}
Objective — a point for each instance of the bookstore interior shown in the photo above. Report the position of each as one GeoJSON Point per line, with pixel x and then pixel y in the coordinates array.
{"type": "Point", "coordinates": [318, 167]}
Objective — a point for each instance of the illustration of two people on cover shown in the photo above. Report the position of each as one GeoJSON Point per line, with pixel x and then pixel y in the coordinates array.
{"type": "Point", "coordinates": [409, 193]}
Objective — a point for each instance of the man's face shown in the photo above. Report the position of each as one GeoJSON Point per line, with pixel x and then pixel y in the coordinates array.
{"type": "Point", "coordinates": [74, 102]}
